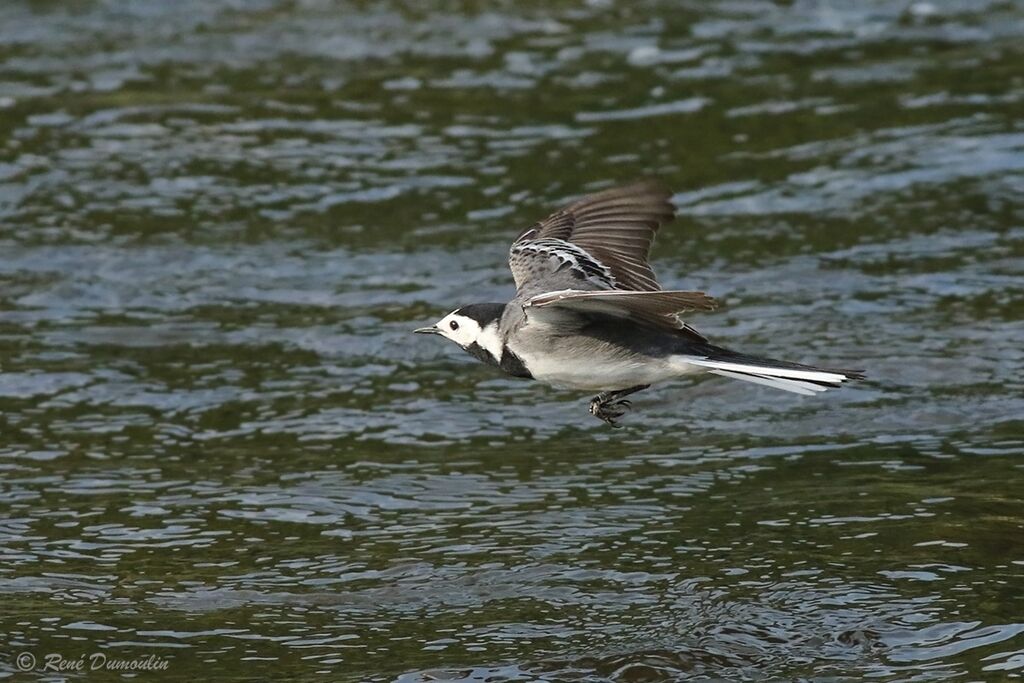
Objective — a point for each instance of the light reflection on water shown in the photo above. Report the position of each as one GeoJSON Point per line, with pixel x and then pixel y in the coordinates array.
{"type": "Point", "coordinates": [220, 443]}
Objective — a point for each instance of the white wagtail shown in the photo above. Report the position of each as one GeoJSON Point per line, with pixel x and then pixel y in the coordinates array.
{"type": "Point", "coordinates": [588, 313]}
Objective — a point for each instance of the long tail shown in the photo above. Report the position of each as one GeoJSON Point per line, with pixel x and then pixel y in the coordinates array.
{"type": "Point", "coordinates": [794, 377]}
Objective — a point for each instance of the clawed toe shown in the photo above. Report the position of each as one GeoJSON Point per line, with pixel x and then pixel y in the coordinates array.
{"type": "Point", "coordinates": [608, 406]}
{"type": "Point", "coordinates": [609, 412]}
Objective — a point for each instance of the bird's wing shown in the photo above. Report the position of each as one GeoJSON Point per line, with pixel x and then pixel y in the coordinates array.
{"type": "Point", "coordinates": [599, 242]}
{"type": "Point", "coordinates": [660, 309]}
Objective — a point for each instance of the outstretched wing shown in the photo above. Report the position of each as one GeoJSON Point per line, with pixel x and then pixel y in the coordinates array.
{"type": "Point", "coordinates": [599, 242]}
{"type": "Point", "coordinates": [660, 309]}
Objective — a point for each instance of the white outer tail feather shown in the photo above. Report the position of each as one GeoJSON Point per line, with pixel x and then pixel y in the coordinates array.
{"type": "Point", "coordinates": [805, 382]}
{"type": "Point", "coordinates": [794, 386]}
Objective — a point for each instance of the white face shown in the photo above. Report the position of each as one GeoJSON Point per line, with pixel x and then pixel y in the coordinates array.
{"type": "Point", "coordinates": [460, 329]}
{"type": "Point", "coordinates": [466, 331]}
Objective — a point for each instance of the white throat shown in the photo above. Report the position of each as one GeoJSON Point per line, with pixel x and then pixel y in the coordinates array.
{"type": "Point", "coordinates": [490, 340]}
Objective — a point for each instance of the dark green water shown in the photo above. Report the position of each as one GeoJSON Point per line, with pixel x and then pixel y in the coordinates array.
{"type": "Point", "coordinates": [220, 445]}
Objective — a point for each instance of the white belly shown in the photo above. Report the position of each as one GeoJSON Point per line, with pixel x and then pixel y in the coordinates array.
{"type": "Point", "coordinates": [600, 374]}
{"type": "Point", "coordinates": [556, 355]}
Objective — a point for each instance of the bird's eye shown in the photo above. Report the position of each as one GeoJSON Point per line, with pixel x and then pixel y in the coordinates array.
{"type": "Point", "coordinates": [454, 325]}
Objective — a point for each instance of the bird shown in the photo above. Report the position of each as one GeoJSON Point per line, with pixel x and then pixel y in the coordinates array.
{"type": "Point", "coordinates": [589, 315]}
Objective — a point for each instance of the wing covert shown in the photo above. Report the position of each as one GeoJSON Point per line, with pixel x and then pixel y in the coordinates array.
{"type": "Point", "coordinates": [614, 230]}
{"type": "Point", "coordinates": [660, 309]}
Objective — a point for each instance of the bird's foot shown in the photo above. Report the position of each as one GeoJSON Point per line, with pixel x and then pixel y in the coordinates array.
{"type": "Point", "coordinates": [609, 410]}
{"type": "Point", "coordinates": [611, 405]}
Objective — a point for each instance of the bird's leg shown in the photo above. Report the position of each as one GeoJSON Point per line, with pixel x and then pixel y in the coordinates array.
{"type": "Point", "coordinates": [611, 405]}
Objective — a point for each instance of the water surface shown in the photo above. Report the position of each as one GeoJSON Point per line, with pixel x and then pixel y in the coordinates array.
{"type": "Point", "coordinates": [219, 443]}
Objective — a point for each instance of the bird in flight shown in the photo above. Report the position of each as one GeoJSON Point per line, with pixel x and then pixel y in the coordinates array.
{"type": "Point", "coordinates": [589, 314]}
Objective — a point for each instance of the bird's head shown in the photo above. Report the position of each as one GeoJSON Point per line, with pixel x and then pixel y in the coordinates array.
{"type": "Point", "coordinates": [474, 328]}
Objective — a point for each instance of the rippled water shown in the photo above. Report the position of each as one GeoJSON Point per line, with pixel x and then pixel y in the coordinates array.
{"type": "Point", "coordinates": [220, 444]}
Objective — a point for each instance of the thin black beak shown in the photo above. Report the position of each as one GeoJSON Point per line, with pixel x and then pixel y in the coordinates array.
{"type": "Point", "coordinates": [427, 330]}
